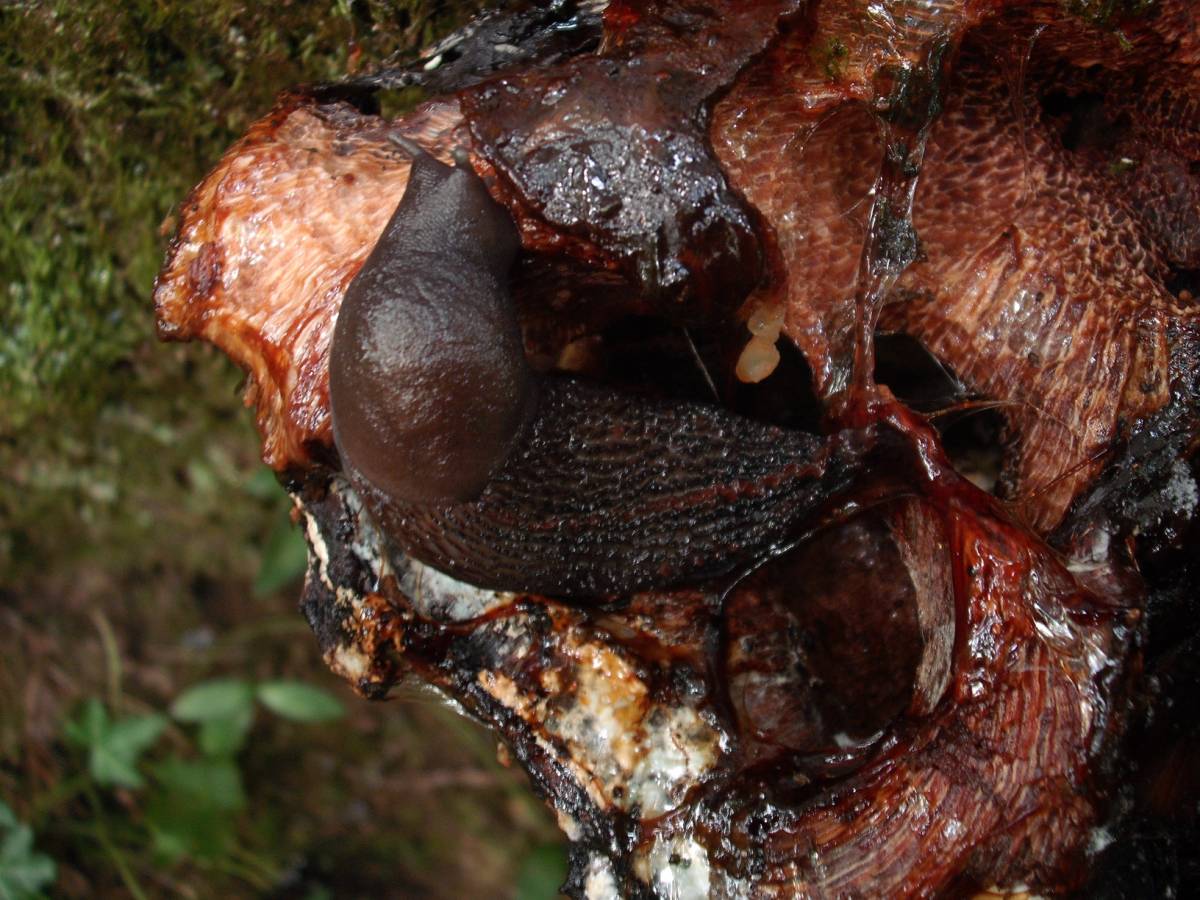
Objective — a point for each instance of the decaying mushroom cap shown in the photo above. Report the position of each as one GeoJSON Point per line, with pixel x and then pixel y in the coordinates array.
{"type": "Point", "coordinates": [928, 693]}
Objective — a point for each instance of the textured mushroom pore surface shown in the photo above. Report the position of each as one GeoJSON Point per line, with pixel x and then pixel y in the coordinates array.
{"type": "Point", "coordinates": [777, 425]}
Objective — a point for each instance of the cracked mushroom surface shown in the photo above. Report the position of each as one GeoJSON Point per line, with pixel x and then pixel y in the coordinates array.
{"type": "Point", "coordinates": [737, 600]}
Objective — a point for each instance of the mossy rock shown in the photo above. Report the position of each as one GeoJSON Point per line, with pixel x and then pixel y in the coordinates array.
{"type": "Point", "coordinates": [113, 445]}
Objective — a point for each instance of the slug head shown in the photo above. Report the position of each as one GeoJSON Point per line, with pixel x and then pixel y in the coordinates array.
{"type": "Point", "coordinates": [429, 386]}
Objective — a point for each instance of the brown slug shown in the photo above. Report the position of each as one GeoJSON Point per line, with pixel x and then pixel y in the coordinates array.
{"type": "Point", "coordinates": [472, 463]}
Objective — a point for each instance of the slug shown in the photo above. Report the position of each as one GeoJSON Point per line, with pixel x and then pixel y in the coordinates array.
{"type": "Point", "coordinates": [471, 462]}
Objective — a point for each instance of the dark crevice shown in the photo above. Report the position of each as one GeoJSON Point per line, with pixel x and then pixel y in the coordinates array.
{"type": "Point", "coordinates": [911, 372]}
{"type": "Point", "coordinates": [1184, 283]}
{"type": "Point", "coordinates": [972, 432]}
{"type": "Point", "coordinates": [1083, 122]}
{"type": "Point", "coordinates": [974, 441]}
{"type": "Point", "coordinates": [785, 398]}
{"type": "Point", "coordinates": [650, 356]}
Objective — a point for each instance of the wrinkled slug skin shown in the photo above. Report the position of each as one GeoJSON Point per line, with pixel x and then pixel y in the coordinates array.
{"type": "Point", "coordinates": [608, 493]}
{"type": "Point", "coordinates": [471, 463]}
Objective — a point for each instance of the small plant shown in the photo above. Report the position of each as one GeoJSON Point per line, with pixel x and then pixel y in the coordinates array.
{"type": "Point", "coordinates": [189, 800]}
{"type": "Point", "coordinates": [23, 872]}
{"type": "Point", "coordinates": [114, 748]}
{"type": "Point", "coordinates": [224, 709]}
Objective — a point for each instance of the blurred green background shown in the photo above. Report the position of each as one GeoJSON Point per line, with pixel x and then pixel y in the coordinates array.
{"type": "Point", "coordinates": [166, 725]}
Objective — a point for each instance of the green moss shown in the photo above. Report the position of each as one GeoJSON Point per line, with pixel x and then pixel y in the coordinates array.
{"type": "Point", "coordinates": [1122, 166]}
{"type": "Point", "coordinates": [1108, 13]}
{"type": "Point", "coordinates": [830, 55]}
{"type": "Point", "coordinates": [135, 519]}
{"type": "Point", "coordinates": [109, 113]}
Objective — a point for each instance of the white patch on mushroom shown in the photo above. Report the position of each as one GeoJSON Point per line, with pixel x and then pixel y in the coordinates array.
{"type": "Point", "coordinates": [567, 825]}
{"type": "Point", "coordinates": [679, 747]}
{"type": "Point", "coordinates": [643, 754]}
{"type": "Point", "coordinates": [438, 596]}
{"type": "Point", "coordinates": [1099, 839]}
{"type": "Point", "coordinates": [680, 869]}
{"type": "Point", "coordinates": [1181, 492]}
{"type": "Point", "coordinates": [599, 883]}
{"type": "Point", "coordinates": [349, 662]}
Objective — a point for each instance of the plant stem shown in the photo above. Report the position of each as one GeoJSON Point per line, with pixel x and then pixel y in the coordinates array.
{"type": "Point", "coordinates": [62, 792]}
{"type": "Point", "coordinates": [112, 658]}
{"type": "Point", "coordinates": [114, 853]}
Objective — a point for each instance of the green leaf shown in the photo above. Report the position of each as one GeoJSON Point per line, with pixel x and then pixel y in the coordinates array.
{"type": "Point", "coordinates": [223, 698]}
{"type": "Point", "coordinates": [23, 873]}
{"type": "Point", "coordinates": [263, 484]}
{"type": "Point", "coordinates": [115, 747]}
{"type": "Point", "coordinates": [194, 810]}
{"type": "Point", "coordinates": [171, 836]}
{"type": "Point", "coordinates": [215, 782]}
{"type": "Point", "coordinates": [114, 759]}
{"type": "Point", "coordinates": [284, 558]}
{"type": "Point", "coordinates": [225, 737]}
{"type": "Point", "coordinates": [542, 873]}
{"type": "Point", "coordinates": [299, 702]}
{"type": "Point", "coordinates": [88, 729]}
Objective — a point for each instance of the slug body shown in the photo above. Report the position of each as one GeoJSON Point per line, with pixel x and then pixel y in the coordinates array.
{"type": "Point", "coordinates": [471, 463]}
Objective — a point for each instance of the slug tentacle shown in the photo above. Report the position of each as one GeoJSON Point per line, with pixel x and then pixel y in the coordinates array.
{"type": "Point", "coordinates": [471, 463]}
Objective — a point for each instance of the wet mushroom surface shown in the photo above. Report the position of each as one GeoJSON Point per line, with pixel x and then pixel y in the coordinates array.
{"type": "Point", "coordinates": [795, 468]}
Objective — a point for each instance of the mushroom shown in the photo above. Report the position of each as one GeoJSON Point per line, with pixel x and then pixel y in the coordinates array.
{"type": "Point", "coordinates": [828, 663]}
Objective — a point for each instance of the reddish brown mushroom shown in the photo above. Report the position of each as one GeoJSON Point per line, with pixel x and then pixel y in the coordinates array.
{"type": "Point", "coordinates": [924, 689]}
